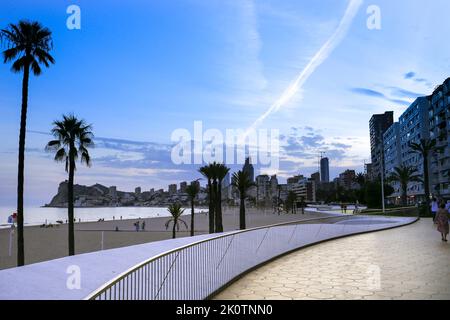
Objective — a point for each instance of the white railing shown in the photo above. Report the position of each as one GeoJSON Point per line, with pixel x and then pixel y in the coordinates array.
{"type": "Point", "coordinates": [198, 270]}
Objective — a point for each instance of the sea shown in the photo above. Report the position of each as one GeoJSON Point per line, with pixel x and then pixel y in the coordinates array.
{"type": "Point", "coordinates": [41, 215]}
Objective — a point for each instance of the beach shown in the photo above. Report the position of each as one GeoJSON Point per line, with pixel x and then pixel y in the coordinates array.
{"type": "Point", "coordinates": [43, 244]}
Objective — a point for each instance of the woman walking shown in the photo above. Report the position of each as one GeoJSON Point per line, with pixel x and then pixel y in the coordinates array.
{"type": "Point", "coordinates": [442, 221]}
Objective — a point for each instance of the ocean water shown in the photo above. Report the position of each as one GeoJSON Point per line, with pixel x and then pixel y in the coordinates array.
{"type": "Point", "coordinates": [38, 215]}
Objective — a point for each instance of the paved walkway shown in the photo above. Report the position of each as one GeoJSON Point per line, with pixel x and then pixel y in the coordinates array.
{"type": "Point", "coordinates": [405, 263]}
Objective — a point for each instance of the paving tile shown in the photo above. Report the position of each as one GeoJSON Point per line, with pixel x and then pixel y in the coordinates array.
{"type": "Point", "coordinates": [412, 264]}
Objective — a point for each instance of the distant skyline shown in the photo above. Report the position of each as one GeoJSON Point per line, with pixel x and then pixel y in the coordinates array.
{"type": "Point", "coordinates": [140, 70]}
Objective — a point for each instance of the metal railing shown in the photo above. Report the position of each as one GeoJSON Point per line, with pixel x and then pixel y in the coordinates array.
{"type": "Point", "coordinates": [197, 270]}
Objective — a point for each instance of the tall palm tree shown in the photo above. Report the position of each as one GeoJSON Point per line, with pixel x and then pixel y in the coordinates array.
{"type": "Point", "coordinates": [207, 172]}
{"type": "Point", "coordinates": [404, 175]}
{"type": "Point", "coordinates": [241, 181]}
{"type": "Point", "coordinates": [424, 149]}
{"type": "Point", "coordinates": [176, 211]}
{"type": "Point", "coordinates": [220, 172]}
{"type": "Point", "coordinates": [28, 46]}
{"type": "Point", "coordinates": [73, 138]}
{"type": "Point", "coordinates": [192, 190]}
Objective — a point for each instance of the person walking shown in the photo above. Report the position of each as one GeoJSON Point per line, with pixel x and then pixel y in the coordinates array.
{"type": "Point", "coordinates": [136, 225]}
{"type": "Point", "coordinates": [143, 226]}
{"type": "Point", "coordinates": [442, 217]}
{"type": "Point", "coordinates": [434, 209]}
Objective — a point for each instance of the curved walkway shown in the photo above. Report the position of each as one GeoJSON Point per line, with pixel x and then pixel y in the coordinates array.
{"type": "Point", "coordinates": [404, 263]}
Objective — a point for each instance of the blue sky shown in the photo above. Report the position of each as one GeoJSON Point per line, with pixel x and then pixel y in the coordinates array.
{"type": "Point", "coordinates": [140, 70]}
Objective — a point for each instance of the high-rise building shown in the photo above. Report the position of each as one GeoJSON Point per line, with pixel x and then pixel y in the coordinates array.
{"type": "Point", "coordinates": [273, 187]}
{"type": "Point", "coordinates": [248, 167]}
{"type": "Point", "coordinates": [426, 118]}
{"type": "Point", "coordinates": [368, 171]}
{"type": "Point", "coordinates": [392, 156]}
{"type": "Point", "coordinates": [263, 188]}
{"type": "Point", "coordinates": [303, 188]}
{"type": "Point", "coordinates": [324, 170]}
{"type": "Point", "coordinates": [183, 186]}
{"type": "Point", "coordinates": [378, 125]}
{"type": "Point", "coordinates": [172, 188]}
{"type": "Point", "coordinates": [439, 128]}
{"type": "Point", "coordinates": [414, 127]}
{"type": "Point", "coordinates": [316, 178]}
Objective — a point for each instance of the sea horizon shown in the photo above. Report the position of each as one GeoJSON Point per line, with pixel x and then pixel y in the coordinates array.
{"type": "Point", "coordinates": [37, 215]}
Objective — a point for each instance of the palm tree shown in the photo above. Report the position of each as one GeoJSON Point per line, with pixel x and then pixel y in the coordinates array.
{"type": "Point", "coordinates": [73, 138]}
{"type": "Point", "coordinates": [291, 200]}
{"type": "Point", "coordinates": [220, 172]}
{"type": "Point", "coordinates": [28, 46]}
{"type": "Point", "coordinates": [241, 181]}
{"type": "Point", "coordinates": [360, 179]}
{"type": "Point", "coordinates": [424, 149]}
{"type": "Point", "coordinates": [192, 190]}
{"type": "Point", "coordinates": [206, 171]}
{"type": "Point", "coordinates": [404, 175]}
{"type": "Point", "coordinates": [176, 211]}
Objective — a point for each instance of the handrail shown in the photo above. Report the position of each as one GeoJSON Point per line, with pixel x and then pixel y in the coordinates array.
{"type": "Point", "coordinates": [124, 274]}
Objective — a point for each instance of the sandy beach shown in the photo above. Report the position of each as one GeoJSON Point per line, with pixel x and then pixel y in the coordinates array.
{"type": "Point", "coordinates": [43, 244]}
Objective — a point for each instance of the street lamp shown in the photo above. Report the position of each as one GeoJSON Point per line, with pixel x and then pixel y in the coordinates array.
{"type": "Point", "coordinates": [382, 173]}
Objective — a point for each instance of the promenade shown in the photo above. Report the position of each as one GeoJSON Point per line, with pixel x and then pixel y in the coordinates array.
{"type": "Point", "coordinates": [410, 262]}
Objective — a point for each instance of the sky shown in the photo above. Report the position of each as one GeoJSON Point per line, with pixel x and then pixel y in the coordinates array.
{"type": "Point", "coordinates": [139, 70]}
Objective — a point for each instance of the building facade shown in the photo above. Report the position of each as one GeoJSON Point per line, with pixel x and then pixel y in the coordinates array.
{"type": "Point", "coordinates": [392, 157]}
{"type": "Point", "coordinates": [439, 128]}
{"type": "Point", "coordinates": [248, 167]}
{"type": "Point", "coordinates": [414, 127]}
{"type": "Point", "coordinates": [378, 125]}
{"type": "Point", "coordinates": [324, 170]}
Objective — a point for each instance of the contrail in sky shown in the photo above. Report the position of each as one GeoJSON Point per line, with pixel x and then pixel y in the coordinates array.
{"type": "Point", "coordinates": [316, 61]}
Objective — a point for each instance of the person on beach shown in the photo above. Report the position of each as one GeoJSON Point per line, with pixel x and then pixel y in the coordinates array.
{"type": "Point", "coordinates": [442, 217]}
{"type": "Point", "coordinates": [143, 226]}
{"type": "Point", "coordinates": [434, 208]}
{"type": "Point", "coordinates": [136, 225]}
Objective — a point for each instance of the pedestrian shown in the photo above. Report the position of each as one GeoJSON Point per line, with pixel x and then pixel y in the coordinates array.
{"type": "Point", "coordinates": [447, 206]}
{"type": "Point", "coordinates": [442, 217]}
{"type": "Point", "coordinates": [434, 208]}
{"type": "Point", "coordinates": [143, 226]}
{"type": "Point", "coordinates": [137, 226]}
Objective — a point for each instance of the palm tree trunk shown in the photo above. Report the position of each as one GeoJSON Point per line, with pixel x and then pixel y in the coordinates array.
{"type": "Point", "coordinates": [21, 166]}
{"type": "Point", "coordinates": [211, 207]}
{"type": "Point", "coordinates": [219, 224]}
{"type": "Point", "coordinates": [173, 229]}
{"type": "Point", "coordinates": [192, 217]}
{"type": "Point", "coordinates": [70, 202]}
{"type": "Point", "coordinates": [426, 181]}
{"type": "Point", "coordinates": [404, 196]}
{"type": "Point", "coordinates": [242, 214]}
